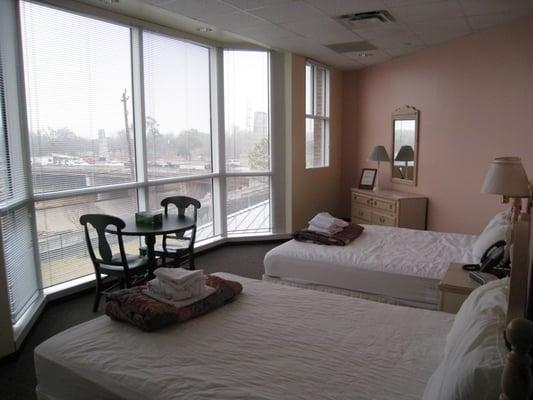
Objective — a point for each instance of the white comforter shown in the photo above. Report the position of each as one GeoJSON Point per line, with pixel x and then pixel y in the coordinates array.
{"type": "Point", "coordinates": [274, 342]}
{"type": "Point", "coordinates": [424, 254]}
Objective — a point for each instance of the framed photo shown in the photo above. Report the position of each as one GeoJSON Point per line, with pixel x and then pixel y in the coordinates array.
{"type": "Point", "coordinates": [368, 178]}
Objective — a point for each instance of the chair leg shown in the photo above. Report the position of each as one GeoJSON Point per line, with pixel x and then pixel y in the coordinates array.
{"type": "Point", "coordinates": [191, 260]}
{"type": "Point", "coordinates": [98, 293]}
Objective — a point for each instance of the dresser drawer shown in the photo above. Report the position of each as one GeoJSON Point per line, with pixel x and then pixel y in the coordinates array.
{"type": "Point", "coordinates": [384, 205]}
{"type": "Point", "coordinates": [383, 219]}
{"type": "Point", "coordinates": [361, 213]}
{"type": "Point", "coordinates": [362, 200]}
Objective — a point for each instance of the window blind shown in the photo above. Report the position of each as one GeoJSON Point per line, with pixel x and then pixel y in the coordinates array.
{"type": "Point", "coordinates": [79, 99]}
{"type": "Point", "coordinates": [178, 110]}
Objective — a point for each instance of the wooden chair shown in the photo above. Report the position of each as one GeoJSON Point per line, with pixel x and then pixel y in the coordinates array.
{"type": "Point", "coordinates": [181, 248]}
{"type": "Point", "coordinates": [124, 267]}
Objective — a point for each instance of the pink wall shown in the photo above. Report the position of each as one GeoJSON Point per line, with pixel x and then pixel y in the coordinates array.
{"type": "Point", "coordinates": [475, 96]}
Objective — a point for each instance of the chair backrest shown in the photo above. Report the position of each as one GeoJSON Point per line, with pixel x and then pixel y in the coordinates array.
{"type": "Point", "coordinates": [100, 222]}
{"type": "Point", "coordinates": [182, 203]}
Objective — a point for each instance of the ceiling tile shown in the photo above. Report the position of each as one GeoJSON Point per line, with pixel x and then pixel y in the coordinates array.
{"type": "Point", "coordinates": [290, 12]}
{"type": "Point", "coordinates": [435, 38]}
{"type": "Point", "coordinates": [198, 8]}
{"type": "Point", "coordinates": [452, 25]}
{"type": "Point", "coordinates": [401, 51]}
{"type": "Point", "coordinates": [335, 36]}
{"type": "Point", "coordinates": [251, 4]}
{"type": "Point", "coordinates": [314, 27]}
{"type": "Point", "coordinates": [384, 30]}
{"type": "Point", "coordinates": [427, 12]}
{"type": "Point", "coordinates": [378, 56]}
{"type": "Point", "coordinates": [479, 22]}
{"type": "Point", "coordinates": [397, 41]}
{"type": "Point", "coordinates": [340, 7]}
{"type": "Point", "coordinates": [484, 7]}
{"type": "Point", "coordinates": [266, 32]}
{"type": "Point", "coordinates": [401, 3]}
{"type": "Point", "coordinates": [236, 22]}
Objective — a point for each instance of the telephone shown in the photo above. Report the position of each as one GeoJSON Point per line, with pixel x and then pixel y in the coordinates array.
{"type": "Point", "coordinates": [493, 261]}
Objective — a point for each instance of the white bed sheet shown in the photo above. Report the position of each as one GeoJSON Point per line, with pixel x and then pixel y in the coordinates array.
{"type": "Point", "coordinates": [274, 342]}
{"type": "Point", "coordinates": [404, 264]}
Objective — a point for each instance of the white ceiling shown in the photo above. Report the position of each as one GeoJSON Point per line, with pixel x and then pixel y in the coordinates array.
{"type": "Point", "coordinates": [306, 26]}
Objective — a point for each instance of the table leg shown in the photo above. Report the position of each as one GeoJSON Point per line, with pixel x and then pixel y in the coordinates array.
{"type": "Point", "coordinates": [149, 240]}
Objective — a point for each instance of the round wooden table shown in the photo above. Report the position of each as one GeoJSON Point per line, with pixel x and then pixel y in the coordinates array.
{"type": "Point", "coordinates": [172, 223]}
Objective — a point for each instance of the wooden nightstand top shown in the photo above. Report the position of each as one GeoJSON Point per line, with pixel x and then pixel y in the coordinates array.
{"type": "Point", "coordinates": [456, 280]}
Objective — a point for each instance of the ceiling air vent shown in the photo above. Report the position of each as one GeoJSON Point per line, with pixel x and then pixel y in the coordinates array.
{"type": "Point", "coordinates": [365, 19]}
{"type": "Point", "coordinates": [351, 47]}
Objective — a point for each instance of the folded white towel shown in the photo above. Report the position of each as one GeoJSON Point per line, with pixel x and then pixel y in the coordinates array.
{"type": "Point", "coordinates": [181, 303]}
{"type": "Point", "coordinates": [177, 291]}
{"type": "Point", "coordinates": [177, 275]}
{"type": "Point", "coordinates": [331, 231]}
{"type": "Point", "coordinates": [326, 221]}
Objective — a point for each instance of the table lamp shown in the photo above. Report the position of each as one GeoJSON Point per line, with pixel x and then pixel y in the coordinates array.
{"type": "Point", "coordinates": [406, 154]}
{"type": "Point", "coordinates": [506, 177]}
{"type": "Point", "coordinates": [379, 153]}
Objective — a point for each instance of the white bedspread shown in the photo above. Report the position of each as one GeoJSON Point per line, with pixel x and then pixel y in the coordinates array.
{"type": "Point", "coordinates": [274, 342]}
{"type": "Point", "coordinates": [404, 264]}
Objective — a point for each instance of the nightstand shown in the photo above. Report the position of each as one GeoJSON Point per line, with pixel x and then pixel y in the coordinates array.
{"type": "Point", "coordinates": [454, 288]}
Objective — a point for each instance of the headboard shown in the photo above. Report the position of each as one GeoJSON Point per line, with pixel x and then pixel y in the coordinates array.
{"type": "Point", "coordinates": [517, 378]}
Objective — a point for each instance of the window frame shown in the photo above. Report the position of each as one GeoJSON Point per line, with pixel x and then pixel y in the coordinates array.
{"type": "Point", "coordinates": [218, 175]}
{"type": "Point", "coordinates": [315, 116]}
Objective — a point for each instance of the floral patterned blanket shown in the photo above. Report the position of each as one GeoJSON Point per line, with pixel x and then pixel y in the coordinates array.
{"type": "Point", "coordinates": [132, 306]}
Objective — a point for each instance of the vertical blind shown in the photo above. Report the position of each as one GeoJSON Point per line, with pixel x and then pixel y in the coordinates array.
{"type": "Point", "coordinates": [17, 247]}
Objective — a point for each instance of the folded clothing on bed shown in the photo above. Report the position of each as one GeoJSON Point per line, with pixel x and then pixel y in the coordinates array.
{"type": "Point", "coordinates": [146, 313]}
{"type": "Point", "coordinates": [326, 223]}
{"type": "Point", "coordinates": [342, 238]}
{"type": "Point", "coordinates": [174, 285]}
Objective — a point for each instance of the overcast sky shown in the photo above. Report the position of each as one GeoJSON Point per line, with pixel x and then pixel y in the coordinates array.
{"type": "Point", "coordinates": [77, 68]}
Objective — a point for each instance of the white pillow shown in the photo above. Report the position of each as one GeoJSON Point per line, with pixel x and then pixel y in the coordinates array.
{"type": "Point", "coordinates": [475, 352]}
{"type": "Point", "coordinates": [487, 238]}
{"type": "Point", "coordinates": [502, 218]}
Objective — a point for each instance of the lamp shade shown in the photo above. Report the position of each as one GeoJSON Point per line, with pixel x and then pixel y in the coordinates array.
{"type": "Point", "coordinates": [406, 153]}
{"type": "Point", "coordinates": [379, 153]}
{"type": "Point", "coordinates": [506, 176]}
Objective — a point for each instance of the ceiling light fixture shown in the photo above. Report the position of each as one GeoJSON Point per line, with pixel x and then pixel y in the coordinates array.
{"type": "Point", "coordinates": [204, 29]}
{"type": "Point", "coordinates": [365, 54]}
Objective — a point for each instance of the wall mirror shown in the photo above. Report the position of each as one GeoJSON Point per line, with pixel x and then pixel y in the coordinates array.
{"type": "Point", "coordinates": [404, 159]}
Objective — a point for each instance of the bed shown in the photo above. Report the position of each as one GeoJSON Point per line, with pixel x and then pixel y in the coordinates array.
{"type": "Point", "coordinates": [392, 265]}
{"type": "Point", "coordinates": [281, 342]}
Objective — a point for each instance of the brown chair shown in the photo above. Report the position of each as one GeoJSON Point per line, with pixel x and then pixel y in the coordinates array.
{"type": "Point", "coordinates": [121, 266]}
{"type": "Point", "coordinates": [181, 247]}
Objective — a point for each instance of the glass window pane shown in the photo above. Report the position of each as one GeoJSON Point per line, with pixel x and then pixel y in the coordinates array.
{"type": "Point", "coordinates": [248, 209]}
{"type": "Point", "coordinates": [178, 111]}
{"type": "Point", "coordinates": [246, 103]}
{"type": "Point", "coordinates": [62, 245]}
{"type": "Point", "coordinates": [5, 192]}
{"type": "Point", "coordinates": [78, 91]}
{"type": "Point", "coordinates": [316, 143]}
{"type": "Point", "coordinates": [201, 190]}
{"type": "Point", "coordinates": [308, 90]}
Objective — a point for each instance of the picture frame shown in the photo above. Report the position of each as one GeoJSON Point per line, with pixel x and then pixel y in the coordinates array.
{"type": "Point", "coordinates": [368, 178]}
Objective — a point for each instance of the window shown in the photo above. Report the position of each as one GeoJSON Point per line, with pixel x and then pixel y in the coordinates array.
{"type": "Point", "coordinates": [316, 116]}
{"type": "Point", "coordinates": [247, 119]}
{"type": "Point", "coordinates": [246, 111]}
{"type": "Point", "coordinates": [78, 91]}
{"type": "Point", "coordinates": [93, 151]}
{"type": "Point", "coordinates": [177, 101]}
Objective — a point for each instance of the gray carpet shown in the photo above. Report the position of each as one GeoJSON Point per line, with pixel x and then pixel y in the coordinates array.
{"type": "Point", "coordinates": [17, 376]}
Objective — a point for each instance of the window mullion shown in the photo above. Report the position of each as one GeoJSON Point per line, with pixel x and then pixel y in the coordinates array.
{"type": "Point", "coordinates": [219, 141]}
{"type": "Point", "coordinates": [139, 127]}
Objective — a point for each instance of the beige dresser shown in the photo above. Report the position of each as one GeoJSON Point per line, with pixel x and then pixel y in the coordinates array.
{"type": "Point", "coordinates": [390, 208]}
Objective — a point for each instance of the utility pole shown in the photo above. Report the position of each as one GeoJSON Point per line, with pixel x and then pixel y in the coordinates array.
{"type": "Point", "coordinates": [124, 100]}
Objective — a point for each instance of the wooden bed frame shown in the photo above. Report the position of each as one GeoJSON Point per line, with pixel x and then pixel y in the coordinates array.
{"type": "Point", "coordinates": [517, 378]}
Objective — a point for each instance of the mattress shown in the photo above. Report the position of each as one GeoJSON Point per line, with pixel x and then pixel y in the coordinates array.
{"type": "Point", "coordinates": [273, 342]}
{"type": "Point", "coordinates": [402, 264]}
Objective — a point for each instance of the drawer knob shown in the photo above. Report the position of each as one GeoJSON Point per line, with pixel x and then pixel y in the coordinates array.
{"type": "Point", "coordinates": [369, 201]}
{"type": "Point", "coordinates": [382, 220]}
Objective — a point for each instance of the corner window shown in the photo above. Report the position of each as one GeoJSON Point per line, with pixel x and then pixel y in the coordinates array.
{"type": "Point", "coordinates": [316, 116]}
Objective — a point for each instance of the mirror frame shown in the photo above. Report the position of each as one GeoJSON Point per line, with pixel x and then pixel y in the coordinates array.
{"type": "Point", "coordinates": [404, 113]}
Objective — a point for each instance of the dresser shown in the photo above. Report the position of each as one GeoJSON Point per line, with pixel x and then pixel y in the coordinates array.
{"type": "Point", "coordinates": [390, 208]}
